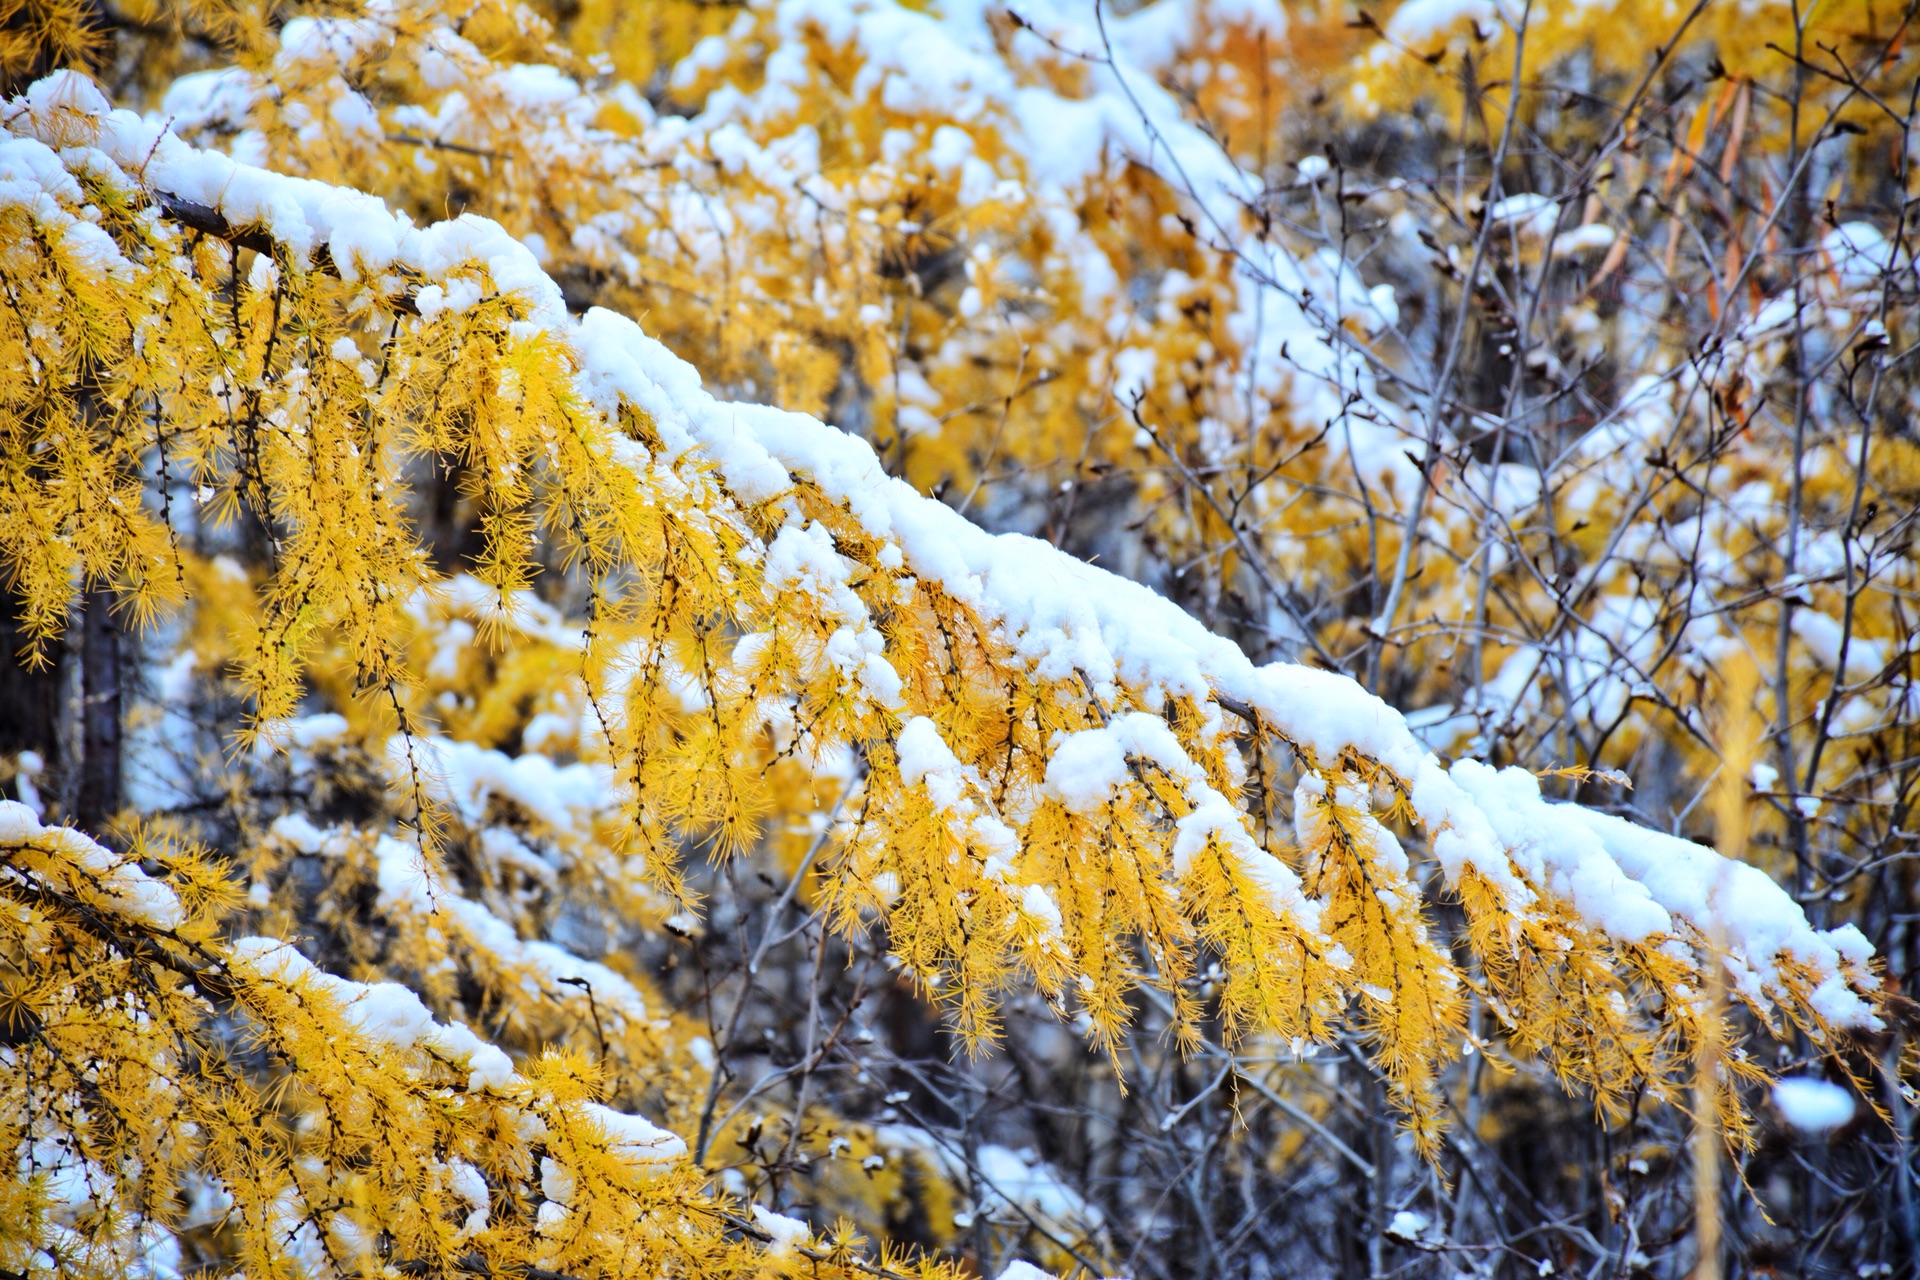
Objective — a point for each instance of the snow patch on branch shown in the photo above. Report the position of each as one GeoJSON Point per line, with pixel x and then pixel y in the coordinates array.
{"type": "Point", "coordinates": [129, 890]}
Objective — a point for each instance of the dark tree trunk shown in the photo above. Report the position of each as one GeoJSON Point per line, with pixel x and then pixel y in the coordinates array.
{"type": "Point", "coordinates": [29, 699]}
{"type": "Point", "coordinates": [455, 537]}
{"type": "Point", "coordinates": [99, 792]}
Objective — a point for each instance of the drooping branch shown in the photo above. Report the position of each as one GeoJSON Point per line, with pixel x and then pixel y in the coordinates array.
{"type": "Point", "coordinates": [208, 220]}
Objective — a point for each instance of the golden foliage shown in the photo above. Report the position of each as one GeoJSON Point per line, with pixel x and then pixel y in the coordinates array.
{"type": "Point", "coordinates": [735, 651]}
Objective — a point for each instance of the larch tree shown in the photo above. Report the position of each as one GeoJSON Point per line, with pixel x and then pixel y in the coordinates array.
{"type": "Point", "coordinates": [503, 788]}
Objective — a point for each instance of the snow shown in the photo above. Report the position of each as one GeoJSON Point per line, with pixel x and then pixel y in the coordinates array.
{"type": "Point", "coordinates": [471, 778]}
{"type": "Point", "coordinates": [18, 824]}
{"type": "Point", "coordinates": [28, 766]}
{"type": "Point", "coordinates": [1567, 861]}
{"type": "Point", "coordinates": [466, 1182]}
{"type": "Point", "coordinates": [803, 561]}
{"type": "Point", "coordinates": [1527, 205]}
{"type": "Point", "coordinates": [217, 99]}
{"type": "Point", "coordinates": [1532, 213]}
{"type": "Point", "coordinates": [1742, 907]}
{"type": "Point", "coordinates": [362, 236]}
{"type": "Point", "coordinates": [1860, 254]}
{"type": "Point", "coordinates": [1023, 1179]}
{"type": "Point", "coordinates": [1812, 1104]}
{"type": "Point", "coordinates": [927, 762]}
{"type": "Point", "coordinates": [1088, 767]}
{"type": "Point", "coordinates": [304, 732]}
{"type": "Point", "coordinates": [1583, 239]}
{"type": "Point", "coordinates": [556, 1181]}
{"type": "Point", "coordinates": [786, 1232]}
{"type": "Point", "coordinates": [550, 969]}
{"type": "Point", "coordinates": [1007, 1177]}
{"type": "Point", "coordinates": [543, 969]}
{"type": "Point", "coordinates": [389, 1012]}
{"type": "Point", "coordinates": [73, 857]}
{"type": "Point", "coordinates": [1020, 1269]}
{"type": "Point", "coordinates": [635, 1137]}
{"type": "Point", "coordinates": [922, 752]}
{"type": "Point", "coordinates": [1424, 19]}
{"type": "Point", "coordinates": [1039, 904]}
{"type": "Point", "coordinates": [1407, 1224]}
{"type": "Point", "coordinates": [384, 1012]}
{"type": "Point", "coordinates": [1823, 637]}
